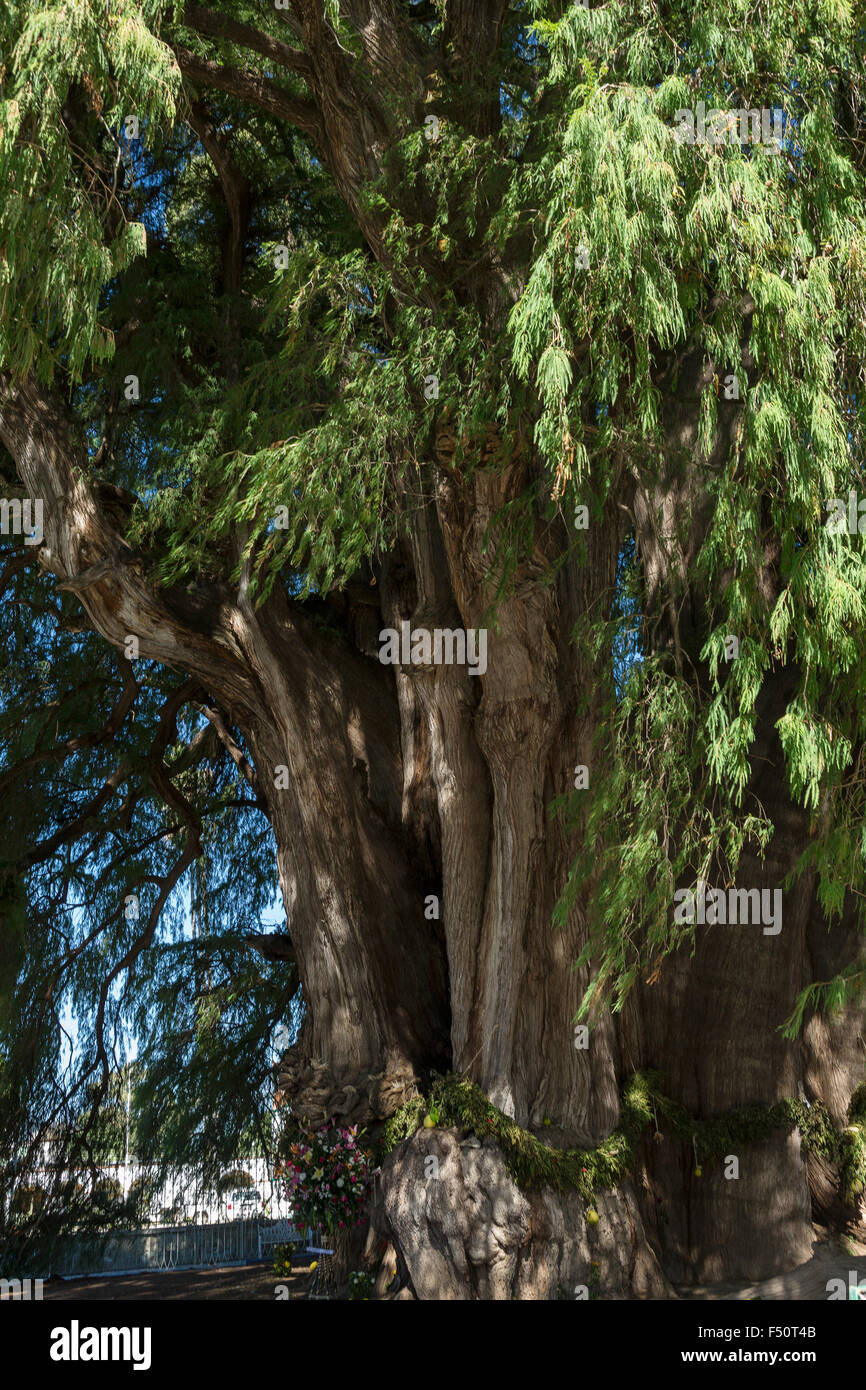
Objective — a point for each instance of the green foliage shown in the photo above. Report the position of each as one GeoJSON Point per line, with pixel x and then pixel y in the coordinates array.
{"type": "Point", "coordinates": [299, 393]}
{"type": "Point", "coordinates": [361, 1285]}
{"type": "Point", "coordinates": [678, 235]}
{"type": "Point", "coordinates": [402, 1124]}
{"type": "Point", "coordinates": [533, 1163]}
{"type": "Point", "coordinates": [71, 75]}
{"type": "Point", "coordinates": [529, 1161]}
{"type": "Point", "coordinates": [201, 1007]}
{"type": "Point", "coordinates": [282, 1265]}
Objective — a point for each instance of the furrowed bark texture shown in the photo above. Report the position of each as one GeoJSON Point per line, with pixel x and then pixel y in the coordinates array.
{"type": "Point", "coordinates": [501, 747]}
{"type": "Point", "coordinates": [410, 782]}
{"type": "Point", "coordinates": [407, 781]}
{"type": "Point", "coordinates": [712, 1022]}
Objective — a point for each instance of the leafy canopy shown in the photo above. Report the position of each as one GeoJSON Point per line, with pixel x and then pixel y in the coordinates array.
{"type": "Point", "coordinates": [301, 387]}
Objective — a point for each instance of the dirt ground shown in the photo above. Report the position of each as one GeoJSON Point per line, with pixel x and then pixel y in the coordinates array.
{"type": "Point", "coordinates": [832, 1257]}
{"type": "Point", "coordinates": [246, 1282]}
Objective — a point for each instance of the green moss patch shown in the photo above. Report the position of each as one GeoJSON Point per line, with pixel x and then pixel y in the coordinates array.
{"type": "Point", "coordinates": [535, 1164]}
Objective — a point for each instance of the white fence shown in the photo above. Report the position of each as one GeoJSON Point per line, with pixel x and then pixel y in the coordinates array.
{"type": "Point", "coordinates": [185, 1224]}
{"type": "Point", "coordinates": [180, 1197]}
{"type": "Point", "coordinates": [170, 1247]}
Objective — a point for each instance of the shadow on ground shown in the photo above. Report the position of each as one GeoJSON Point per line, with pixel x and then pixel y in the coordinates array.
{"type": "Point", "coordinates": [833, 1257]}
{"type": "Point", "coordinates": [248, 1282]}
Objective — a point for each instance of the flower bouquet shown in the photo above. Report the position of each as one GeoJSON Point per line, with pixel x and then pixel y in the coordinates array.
{"type": "Point", "coordinates": [327, 1178]}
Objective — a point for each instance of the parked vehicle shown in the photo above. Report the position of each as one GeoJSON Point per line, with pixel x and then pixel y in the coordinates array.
{"type": "Point", "coordinates": [244, 1204]}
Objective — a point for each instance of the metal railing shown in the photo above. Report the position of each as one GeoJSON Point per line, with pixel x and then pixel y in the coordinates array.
{"type": "Point", "coordinates": [161, 1248]}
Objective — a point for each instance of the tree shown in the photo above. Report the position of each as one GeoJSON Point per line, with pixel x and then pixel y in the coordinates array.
{"type": "Point", "coordinates": [333, 319]}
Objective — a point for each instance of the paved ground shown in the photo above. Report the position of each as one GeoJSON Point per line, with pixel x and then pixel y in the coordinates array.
{"type": "Point", "coordinates": [833, 1257]}
{"type": "Point", "coordinates": [248, 1282]}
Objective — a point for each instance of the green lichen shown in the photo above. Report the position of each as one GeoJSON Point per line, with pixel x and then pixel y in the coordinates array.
{"type": "Point", "coordinates": [402, 1125]}
{"type": "Point", "coordinates": [857, 1106]}
{"type": "Point", "coordinates": [533, 1163]}
{"type": "Point", "coordinates": [852, 1165]}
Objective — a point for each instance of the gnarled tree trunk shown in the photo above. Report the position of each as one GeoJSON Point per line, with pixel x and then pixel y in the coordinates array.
{"type": "Point", "coordinates": [409, 782]}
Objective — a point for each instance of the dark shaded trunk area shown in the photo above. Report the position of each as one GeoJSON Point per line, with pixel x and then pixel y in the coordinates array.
{"type": "Point", "coordinates": [388, 787]}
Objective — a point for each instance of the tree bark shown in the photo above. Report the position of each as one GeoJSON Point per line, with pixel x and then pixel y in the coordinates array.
{"type": "Point", "coordinates": [711, 1023]}
{"type": "Point", "coordinates": [407, 782]}
{"type": "Point", "coordinates": [416, 782]}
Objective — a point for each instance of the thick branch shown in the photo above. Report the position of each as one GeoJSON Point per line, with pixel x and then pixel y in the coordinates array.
{"type": "Point", "coordinates": [236, 191]}
{"type": "Point", "coordinates": [92, 559]}
{"type": "Point", "coordinates": [272, 945]}
{"type": "Point", "coordinates": [219, 26]}
{"type": "Point", "coordinates": [249, 86]}
{"type": "Point", "coordinates": [241, 763]}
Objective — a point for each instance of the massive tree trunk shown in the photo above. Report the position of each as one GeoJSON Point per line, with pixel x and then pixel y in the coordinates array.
{"type": "Point", "coordinates": [409, 783]}
{"type": "Point", "coordinates": [712, 1020]}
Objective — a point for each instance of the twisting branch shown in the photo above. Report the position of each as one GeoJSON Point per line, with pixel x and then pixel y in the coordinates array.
{"type": "Point", "coordinates": [77, 827]}
{"type": "Point", "coordinates": [219, 26]}
{"type": "Point", "coordinates": [251, 87]}
{"type": "Point", "coordinates": [236, 191]}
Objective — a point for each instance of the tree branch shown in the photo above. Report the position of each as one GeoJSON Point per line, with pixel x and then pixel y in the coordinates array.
{"type": "Point", "coordinates": [189, 631]}
{"type": "Point", "coordinates": [272, 946]}
{"type": "Point", "coordinates": [226, 739]}
{"type": "Point", "coordinates": [219, 26]}
{"type": "Point", "coordinates": [249, 86]}
{"type": "Point", "coordinates": [62, 751]}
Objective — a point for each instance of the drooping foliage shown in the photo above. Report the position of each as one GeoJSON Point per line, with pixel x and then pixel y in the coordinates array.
{"type": "Point", "coordinates": [112, 931]}
{"type": "Point", "coordinates": [541, 278]}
